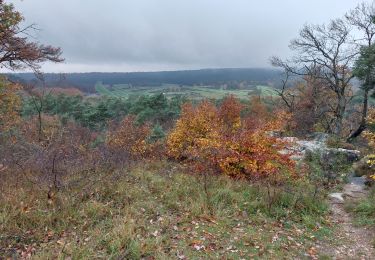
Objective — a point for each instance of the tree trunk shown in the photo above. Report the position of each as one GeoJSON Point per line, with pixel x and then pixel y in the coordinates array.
{"type": "Point", "coordinates": [340, 111]}
{"type": "Point", "coordinates": [363, 124]}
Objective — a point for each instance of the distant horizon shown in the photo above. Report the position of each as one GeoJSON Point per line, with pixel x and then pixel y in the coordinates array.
{"type": "Point", "coordinates": [149, 71]}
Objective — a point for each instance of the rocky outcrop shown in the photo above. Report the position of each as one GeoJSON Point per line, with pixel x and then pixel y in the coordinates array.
{"type": "Point", "coordinates": [300, 148]}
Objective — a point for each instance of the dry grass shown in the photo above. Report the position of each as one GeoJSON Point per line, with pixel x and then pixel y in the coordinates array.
{"type": "Point", "coordinates": [156, 212]}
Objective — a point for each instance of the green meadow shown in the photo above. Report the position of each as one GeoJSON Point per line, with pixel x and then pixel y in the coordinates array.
{"type": "Point", "coordinates": [191, 92]}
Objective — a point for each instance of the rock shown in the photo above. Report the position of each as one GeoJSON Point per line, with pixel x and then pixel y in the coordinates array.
{"type": "Point", "coordinates": [360, 181]}
{"type": "Point", "coordinates": [351, 155]}
{"type": "Point", "coordinates": [319, 137]}
{"type": "Point", "coordinates": [363, 168]}
{"type": "Point", "coordinates": [337, 196]}
{"type": "Point", "coordinates": [300, 148]}
{"type": "Point", "coordinates": [332, 161]}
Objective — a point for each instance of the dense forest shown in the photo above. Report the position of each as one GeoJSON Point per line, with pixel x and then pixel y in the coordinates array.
{"type": "Point", "coordinates": [281, 171]}
{"type": "Point", "coordinates": [86, 81]}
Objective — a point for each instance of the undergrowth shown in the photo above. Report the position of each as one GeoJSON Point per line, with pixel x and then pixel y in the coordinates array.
{"type": "Point", "coordinates": [364, 210]}
{"type": "Point", "coordinates": [155, 211]}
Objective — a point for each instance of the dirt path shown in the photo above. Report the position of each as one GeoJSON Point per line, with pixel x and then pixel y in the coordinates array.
{"type": "Point", "coordinates": [349, 241]}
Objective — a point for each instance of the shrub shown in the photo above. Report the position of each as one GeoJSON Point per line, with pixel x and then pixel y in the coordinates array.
{"type": "Point", "coordinates": [131, 141]}
{"type": "Point", "coordinates": [370, 133]}
{"type": "Point", "coordinates": [337, 142]}
{"type": "Point", "coordinates": [9, 105]}
{"type": "Point", "coordinates": [326, 168]}
{"type": "Point", "coordinates": [218, 139]}
{"type": "Point", "coordinates": [370, 136]}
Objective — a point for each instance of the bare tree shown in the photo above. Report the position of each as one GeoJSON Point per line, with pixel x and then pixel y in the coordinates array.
{"type": "Point", "coordinates": [310, 101]}
{"type": "Point", "coordinates": [362, 18]}
{"type": "Point", "coordinates": [287, 97]}
{"type": "Point", "coordinates": [16, 50]}
{"type": "Point", "coordinates": [328, 48]}
{"type": "Point", "coordinates": [37, 98]}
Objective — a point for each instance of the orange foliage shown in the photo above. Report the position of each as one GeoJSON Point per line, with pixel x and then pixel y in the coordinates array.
{"type": "Point", "coordinates": [220, 139]}
{"type": "Point", "coordinates": [258, 112]}
{"type": "Point", "coordinates": [196, 131]}
{"type": "Point", "coordinates": [9, 105]}
{"type": "Point", "coordinates": [261, 118]}
{"type": "Point", "coordinates": [230, 113]}
{"type": "Point", "coordinates": [130, 138]}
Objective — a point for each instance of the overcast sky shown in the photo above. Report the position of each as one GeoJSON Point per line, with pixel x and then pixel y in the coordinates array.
{"type": "Point", "coordinates": [145, 35]}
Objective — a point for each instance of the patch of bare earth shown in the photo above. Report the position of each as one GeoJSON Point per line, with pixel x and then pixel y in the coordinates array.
{"type": "Point", "coordinates": [349, 241]}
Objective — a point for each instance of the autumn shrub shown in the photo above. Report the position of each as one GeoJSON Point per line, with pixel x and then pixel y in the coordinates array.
{"type": "Point", "coordinates": [370, 133]}
{"type": "Point", "coordinates": [47, 158]}
{"type": "Point", "coordinates": [257, 112]}
{"type": "Point", "coordinates": [368, 166]}
{"type": "Point", "coordinates": [131, 141]}
{"type": "Point", "coordinates": [10, 103]}
{"type": "Point", "coordinates": [219, 140]}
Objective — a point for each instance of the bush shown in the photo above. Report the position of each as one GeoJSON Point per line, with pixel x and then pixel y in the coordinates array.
{"type": "Point", "coordinates": [219, 140]}
{"type": "Point", "coordinates": [327, 168]}
{"type": "Point", "coordinates": [336, 142]}
{"type": "Point", "coordinates": [129, 141]}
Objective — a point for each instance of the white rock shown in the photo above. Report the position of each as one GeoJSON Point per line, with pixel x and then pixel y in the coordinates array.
{"type": "Point", "coordinates": [337, 196]}
{"type": "Point", "coordinates": [298, 148]}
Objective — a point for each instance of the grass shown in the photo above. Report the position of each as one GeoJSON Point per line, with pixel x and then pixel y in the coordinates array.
{"type": "Point", "coordinates": [364, 210]}
{"type": "Point", "coordinates": [156, 211]}
{"type": "Point", "coordinates": [191, 92]}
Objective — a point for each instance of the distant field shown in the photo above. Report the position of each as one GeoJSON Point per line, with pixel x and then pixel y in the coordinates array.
{"type": "Point", "coordinates": [191, 92]}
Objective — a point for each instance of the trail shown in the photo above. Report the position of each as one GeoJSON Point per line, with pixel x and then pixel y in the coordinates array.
{"type": "Point", "coordinates": [349, 241]}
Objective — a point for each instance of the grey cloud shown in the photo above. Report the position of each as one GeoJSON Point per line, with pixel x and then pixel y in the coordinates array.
{"type": "Point", "coordinates": [116, 35]}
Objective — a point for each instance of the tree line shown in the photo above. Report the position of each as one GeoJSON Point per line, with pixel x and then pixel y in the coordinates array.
{"type": "Point", "coordinates": [86, 81]}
